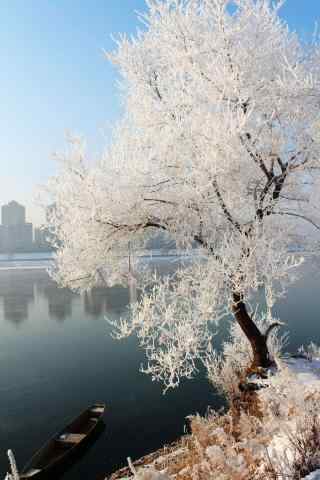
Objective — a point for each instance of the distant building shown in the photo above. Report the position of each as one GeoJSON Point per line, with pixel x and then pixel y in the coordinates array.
{"type": "Point", "coordinates": [1, 238]}
{"type": "Point", "coordinates": [13, 214]}
{"type": "Point", "coordinates": [15, 234]}
{"type": "Point", "coordinates": [16, 238]}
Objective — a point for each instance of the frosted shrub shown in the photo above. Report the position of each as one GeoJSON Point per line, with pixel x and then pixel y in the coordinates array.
{"type": "Point", "coordinates": [299, 452]}
{"type": "Point", "coordinates": [218, 453]}
{"type": "Point", "coordinates": [284, 396]}
{"type": "Point", "coordinates": [311, 352]}
{"type": "Point", "coordinates": [306, 446]}
{"type": "Point", "coordinates": [291, 407]}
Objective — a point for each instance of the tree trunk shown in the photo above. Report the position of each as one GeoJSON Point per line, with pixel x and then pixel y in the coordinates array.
{"type": "Point", "coordinates": [258, 341]}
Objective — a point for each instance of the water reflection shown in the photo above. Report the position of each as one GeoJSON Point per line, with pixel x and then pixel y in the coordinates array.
{"type": "Point", "coordinates": [19, 289]}
{"type": "Point", "coordinates": [95, 302]}
{"type": "Point", "coordinates": [59, 302]}
{"type": "Point", "coordinates": [16, 295]}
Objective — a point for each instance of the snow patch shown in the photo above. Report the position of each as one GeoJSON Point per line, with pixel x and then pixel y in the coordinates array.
{"type": "Point", "coordinates": [313, 476]}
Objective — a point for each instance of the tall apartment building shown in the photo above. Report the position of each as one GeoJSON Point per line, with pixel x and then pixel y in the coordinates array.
{"type": "Point", "coordinates": [13, 214]}
{"type": "Point", "coordinates": [15, 233]}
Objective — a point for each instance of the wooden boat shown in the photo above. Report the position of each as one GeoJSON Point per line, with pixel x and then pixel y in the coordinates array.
{"type": "Point", "coordinates": [64, 444]}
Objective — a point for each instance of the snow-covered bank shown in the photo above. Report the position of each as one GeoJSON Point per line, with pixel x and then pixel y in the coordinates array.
{"type": "Point", "coordinates": [275, 435]}
{"type": "Point", "coordinates": [291, 402]}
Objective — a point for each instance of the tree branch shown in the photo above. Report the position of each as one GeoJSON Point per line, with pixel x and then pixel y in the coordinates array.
{"type": "Point", "coordinates": [303, 217]}
{"type": "Point", "coordinates": [270, 328]}
{"type": "Point", "coordinates": [159, 200]}
{"type": "Point", "coordinates": [278, 182]}
{"type": "Point", "coordinates": [224, 206]}
{"type": "Point", "coordinates": [282, 165]}
{"type": "Point", "coordinates": [256, 157]}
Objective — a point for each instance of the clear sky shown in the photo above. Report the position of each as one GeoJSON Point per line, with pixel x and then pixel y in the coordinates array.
{"type": "Point", "coordinates": [54, 79]}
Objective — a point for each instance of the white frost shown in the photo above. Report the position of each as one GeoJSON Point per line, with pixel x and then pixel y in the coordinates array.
{"type": "Point", "coordinates": [219, 147]}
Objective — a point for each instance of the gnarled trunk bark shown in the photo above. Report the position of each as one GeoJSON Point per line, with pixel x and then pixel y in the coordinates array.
{"type": "Point", "coordinates": [258, 341]}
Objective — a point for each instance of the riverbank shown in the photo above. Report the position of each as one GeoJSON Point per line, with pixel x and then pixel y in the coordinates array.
{"type": "Point", "coordinates": [279, 439]}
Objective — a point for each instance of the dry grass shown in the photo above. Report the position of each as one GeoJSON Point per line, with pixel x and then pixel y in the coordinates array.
{"type": "Point", "coordinates": [234, 445]}
{"type": "Point", "coordinates": [219, 447]}
{"type": "Point", "coordinates": [272, 434]}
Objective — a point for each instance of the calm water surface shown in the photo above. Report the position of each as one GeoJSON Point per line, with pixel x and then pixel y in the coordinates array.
{"type": "Point", "coordinates": [57, 357]}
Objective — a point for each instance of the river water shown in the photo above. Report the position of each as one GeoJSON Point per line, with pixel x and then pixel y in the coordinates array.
{"type": "Point", "coordinates": [57, 357]}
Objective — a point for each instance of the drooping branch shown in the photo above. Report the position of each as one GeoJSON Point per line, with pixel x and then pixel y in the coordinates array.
{"type": "Point", "coordinates": [298, 215]}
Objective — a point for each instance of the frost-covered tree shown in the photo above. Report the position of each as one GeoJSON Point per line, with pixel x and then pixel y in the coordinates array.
{"type": "Point", "coordinates": [218, 145]}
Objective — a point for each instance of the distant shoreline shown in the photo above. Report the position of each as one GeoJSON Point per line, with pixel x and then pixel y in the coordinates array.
{"type": "Point", "coordinates": [43, 260]}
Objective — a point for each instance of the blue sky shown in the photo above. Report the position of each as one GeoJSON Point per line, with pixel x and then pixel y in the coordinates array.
{"type": "Point", "coordinates": [54, 78]}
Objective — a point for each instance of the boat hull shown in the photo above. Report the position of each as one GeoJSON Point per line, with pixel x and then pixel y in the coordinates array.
{"type": "Point", "coordinates": [66, 446]}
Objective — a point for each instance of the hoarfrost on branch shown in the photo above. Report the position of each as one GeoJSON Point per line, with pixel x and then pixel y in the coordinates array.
{"type": "Point", "coordinates": [219, 147]}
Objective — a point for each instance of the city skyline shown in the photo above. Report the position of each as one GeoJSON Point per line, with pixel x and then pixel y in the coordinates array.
{"type": "Point", "coordinates": [18, 235]}
{"type": "Point", "coordinates": [62, 82]}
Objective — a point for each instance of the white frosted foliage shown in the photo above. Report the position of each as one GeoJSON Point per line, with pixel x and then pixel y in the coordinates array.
{"type": "Point", "coordinates": [219, 147]}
